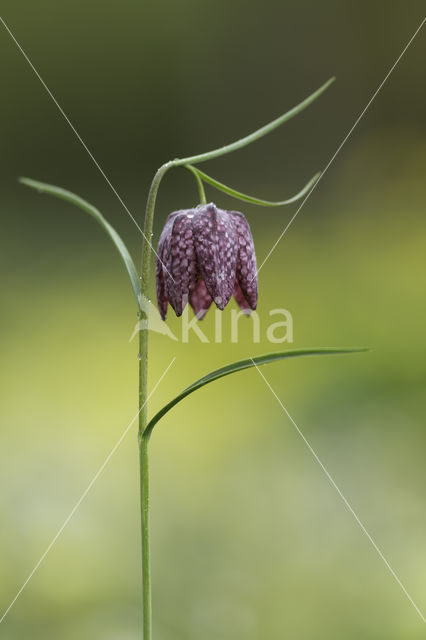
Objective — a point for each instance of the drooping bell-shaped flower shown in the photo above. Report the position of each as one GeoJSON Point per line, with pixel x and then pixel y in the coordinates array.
{"type": "Point", "coordinates": [206, 255]}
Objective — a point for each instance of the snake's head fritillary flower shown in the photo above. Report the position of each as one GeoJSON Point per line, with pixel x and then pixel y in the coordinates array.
{"type": "Point", "coordinates": [206, 255]}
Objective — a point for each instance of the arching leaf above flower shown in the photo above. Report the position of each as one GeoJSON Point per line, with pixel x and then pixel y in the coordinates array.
{"type": "Point", "coordinates": [251, 199]}
{"type": "Point", "coordinates": [256, 135]}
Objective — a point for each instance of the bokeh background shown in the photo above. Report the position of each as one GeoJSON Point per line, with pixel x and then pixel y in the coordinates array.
{"type": "Point", "coordinates": [249, 538]}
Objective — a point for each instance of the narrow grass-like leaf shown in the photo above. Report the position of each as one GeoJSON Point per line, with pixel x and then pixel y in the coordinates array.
{"type": "Point", "coordinates": [259, 133]}
{"type": "Point", "coordinates": [240, 365]}
{"type": "Point", "coordinates": [245, 198]}
{"type": "Point", "coordinates": [68, 196]}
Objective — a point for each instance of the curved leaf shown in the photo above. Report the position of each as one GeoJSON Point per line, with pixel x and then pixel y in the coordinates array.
{"type": "Point", "coordinates": [240, 366]}
{"type": "Point", "coordinates": [68, 196]}
{"type": "Point", "coordinates": [259, 133]}
{"type": "Point", "coordinates": [245, 198]}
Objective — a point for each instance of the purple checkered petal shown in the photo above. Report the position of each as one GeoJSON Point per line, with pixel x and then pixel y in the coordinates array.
{"type": "Point", "coordinates": [216, 246]}
{"type": "Point", "coordinates": [161, 290]}
{"type": "Point", "coordinates": [242, 302]}
{"type": "Point", "coordinates": [162, 249]}
{"type": "Point", "coordinates": [200, 300]}
{"type": "Point", "coordinates": [179, 257]}
{"type": "Point", "coordinates": [246, 263]}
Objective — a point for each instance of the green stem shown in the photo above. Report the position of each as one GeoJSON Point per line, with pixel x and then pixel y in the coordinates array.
{"type": "Point", "coordinates": [144, 302]}
{"type": "Point", "coordinates": [143, 402]}
{"type": "Point", "coordinates": [146, 555]}
{"type": "Point", "coordinates": [199, 182]}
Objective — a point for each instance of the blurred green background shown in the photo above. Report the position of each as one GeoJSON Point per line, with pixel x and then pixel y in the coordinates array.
{"type": "Point", "coordinates": [249, 538]}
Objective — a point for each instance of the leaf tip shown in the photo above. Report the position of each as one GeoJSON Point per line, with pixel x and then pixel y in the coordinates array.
{"type": "Point", "coordinates": [29, 183]}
